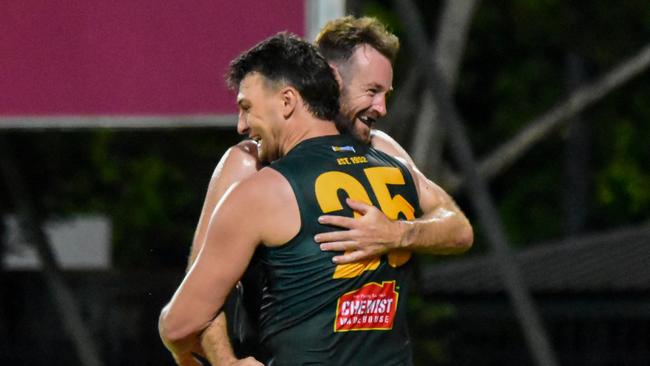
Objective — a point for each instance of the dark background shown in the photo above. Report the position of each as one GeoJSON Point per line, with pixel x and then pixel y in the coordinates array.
{"type": "Point", "coordinates": [519, 61]}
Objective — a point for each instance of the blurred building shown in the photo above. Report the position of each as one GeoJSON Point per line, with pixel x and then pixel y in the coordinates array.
{"type": "Point", "coordinates": [593, 294]}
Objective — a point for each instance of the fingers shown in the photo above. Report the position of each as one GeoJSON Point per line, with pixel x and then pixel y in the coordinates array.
{"type": "Point", "coordinates": [340, 221]}
{"type": "Point", "coordinates": [248, 361]}
{"type": "Point", "coordinates": [354, 256]}
{"type": "Point", "coordinates": [351, 252]}
{"type": "Point", "coordinates": [358, 206]}
{"type": "Point", "coordinates": [338, 246]}
{"type": "Point", "coordinates": [332, 236]}
{"type": "Point", "coordinates": [344, 221]}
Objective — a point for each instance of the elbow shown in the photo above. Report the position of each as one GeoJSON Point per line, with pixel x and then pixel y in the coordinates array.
{"type": "Point", "coordinates": [466, 238]}
{"type": "Point", "coordinates": [172, 329]}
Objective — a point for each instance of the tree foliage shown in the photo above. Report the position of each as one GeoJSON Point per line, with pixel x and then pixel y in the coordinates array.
{"type": "Point", "coordinates": [151, 183]}
{"type": "Point", "coordinates": [514, 69]}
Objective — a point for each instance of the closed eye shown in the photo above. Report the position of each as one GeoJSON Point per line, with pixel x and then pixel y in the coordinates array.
{"type": "Point", "coordinates": [244, 107]}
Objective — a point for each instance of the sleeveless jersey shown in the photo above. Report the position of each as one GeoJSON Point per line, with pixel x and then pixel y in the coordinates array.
{"type": "Point", "coordinates": [313, 311]}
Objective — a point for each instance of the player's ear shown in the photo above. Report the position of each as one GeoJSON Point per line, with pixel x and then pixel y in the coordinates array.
{"type": "Point", "coordinates": [337, 75]}
{"type": "Point", "coordinates": [290, 99]}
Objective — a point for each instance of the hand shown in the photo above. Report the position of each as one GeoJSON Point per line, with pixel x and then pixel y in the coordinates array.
{"type": "Point", "coordinates": [368, 236]}
{"type": "Point", "coordinates": [248, 361]}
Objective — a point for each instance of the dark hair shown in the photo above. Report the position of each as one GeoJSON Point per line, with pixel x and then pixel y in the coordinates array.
{"type": "Point", "coordinates": [339, 38]}
{"type": "Point", "coordinates": [285, 58]}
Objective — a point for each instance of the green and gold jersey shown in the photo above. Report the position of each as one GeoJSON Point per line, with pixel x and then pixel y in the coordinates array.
{"type": "Point", "coordinates": [313, 311]}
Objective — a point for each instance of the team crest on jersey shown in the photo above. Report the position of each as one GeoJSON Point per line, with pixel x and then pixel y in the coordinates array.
{"type": "Point", "coordinates": [371, 307]}
{"type": "Point", "coordinates": [343, 148]}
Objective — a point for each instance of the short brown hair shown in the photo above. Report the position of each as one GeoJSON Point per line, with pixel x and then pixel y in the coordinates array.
{"type": "Point", "coordinates": [287, 59]}
{"type": "Point", "coordinates": [339, 38]}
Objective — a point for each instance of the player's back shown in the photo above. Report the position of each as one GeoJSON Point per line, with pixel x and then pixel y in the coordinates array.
{"type": "Point", "coordinates": [313, 311]}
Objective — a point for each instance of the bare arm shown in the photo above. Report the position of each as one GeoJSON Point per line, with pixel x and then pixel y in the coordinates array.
{"type": "Point", "coordinates": [443, 229]}
{"type": "Point", "coordinates": [206, 285]}
{"type": "Point", "coordinates": [216, 344]}
{"type": "Point", "coordinates": [226, 254]}
{"type": "Point", "coordinates": [238, 163]}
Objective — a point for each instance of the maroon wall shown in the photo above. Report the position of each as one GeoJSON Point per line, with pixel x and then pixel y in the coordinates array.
{"type": "Point", "coordinates": [129, 57]}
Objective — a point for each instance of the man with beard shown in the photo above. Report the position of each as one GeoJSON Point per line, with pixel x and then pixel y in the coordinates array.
{"type": "Point", "coordinates": [313, 311]}
{"type": "Point", "coordinates": [361, 52]}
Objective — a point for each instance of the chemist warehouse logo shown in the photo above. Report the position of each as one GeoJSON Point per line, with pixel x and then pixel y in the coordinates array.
{"type": "Point", "coordinates": [372, 307]}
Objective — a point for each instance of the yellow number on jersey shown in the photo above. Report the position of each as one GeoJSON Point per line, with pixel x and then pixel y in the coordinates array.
{"type": "Point", "coordinates": [391, 206]}
{"type": "Point", "coordinates": [327, 186]}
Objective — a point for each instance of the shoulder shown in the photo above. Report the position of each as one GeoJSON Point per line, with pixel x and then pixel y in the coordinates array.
{"type": "Point", "coordinates": [267, 203]}
{"type": "Point", "coordinates": [266, 188]}
{"type": "Point", "coordinates": [384, 143]}
{"type": "Point", "coordinates": [258, 195]}
{"type": "Point", "coordinates": [244, 152]}
{"type": "Point", "coordinates": [248, 147]}
{"type": "Point", "coordinates": [239, 160]}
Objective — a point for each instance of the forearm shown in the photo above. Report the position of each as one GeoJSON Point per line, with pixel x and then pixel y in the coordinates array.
{"type": "Point", "coordinates": [441, 232]}
{"type": "Point", "coordinates": [212, 344]}
{"type": "Point", "coordinates": [442, 229]}
{"type": "Point", "coordinates": [216, 344]}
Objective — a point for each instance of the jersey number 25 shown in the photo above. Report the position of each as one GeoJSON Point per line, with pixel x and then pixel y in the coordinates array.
{"type": "Point", "coordinates": [329, 183]}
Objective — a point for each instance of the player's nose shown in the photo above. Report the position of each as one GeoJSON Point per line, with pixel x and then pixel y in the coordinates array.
{"type": "Point", "coordinates": [379, 104]}
{"type": "Point", "coordinates": [242, 124]}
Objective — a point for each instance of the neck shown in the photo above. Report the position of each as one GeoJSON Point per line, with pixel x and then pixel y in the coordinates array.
{"type": "Point", "coordinates": [305, 130]}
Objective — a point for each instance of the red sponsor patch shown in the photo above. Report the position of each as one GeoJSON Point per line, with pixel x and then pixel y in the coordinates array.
{"type": "Point", "coordinates": [372, 307]}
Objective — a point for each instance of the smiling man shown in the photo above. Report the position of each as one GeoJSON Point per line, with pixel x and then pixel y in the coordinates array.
{"type": "Point", "coordinates": [361, 52]}
{"type": "Point", "coordinates": [314, 311]}
{"type": "Point", "coordinates": [366, 79]}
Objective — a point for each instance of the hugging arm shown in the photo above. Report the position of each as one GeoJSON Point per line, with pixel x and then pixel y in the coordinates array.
{"type": "Point", "coordinates": [237, 164]}
{"type": "Point", "coordinates": [442, 229]}
{"type": "Point", "coordinates": [220, 263]}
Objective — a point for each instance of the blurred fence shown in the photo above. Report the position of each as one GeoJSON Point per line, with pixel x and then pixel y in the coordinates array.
{"type": "Point", "coordinates": [120, 310]}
